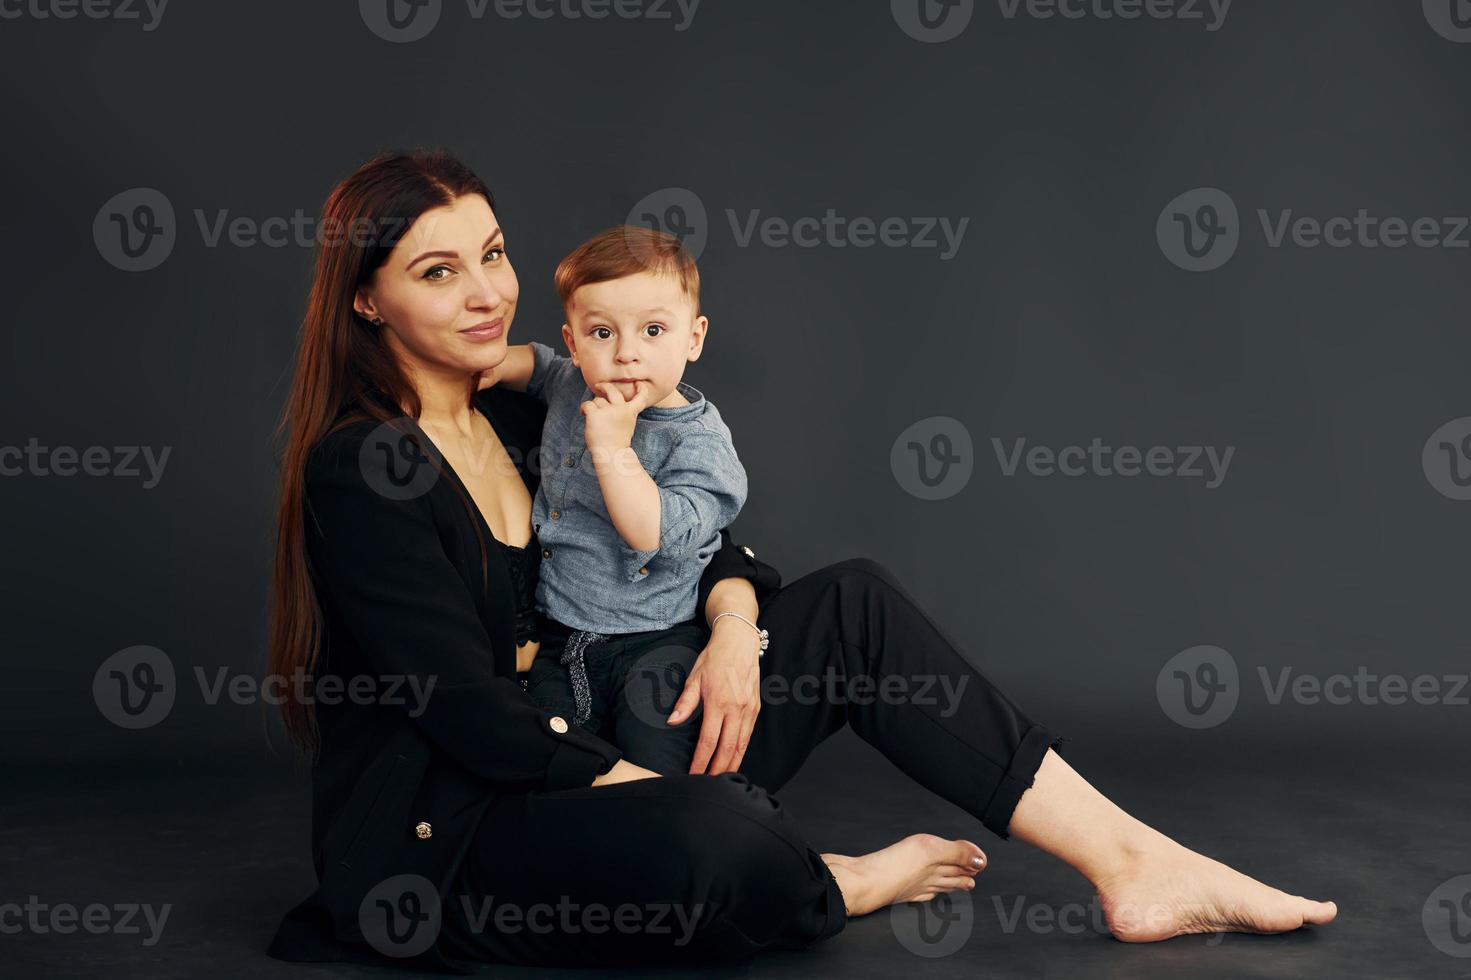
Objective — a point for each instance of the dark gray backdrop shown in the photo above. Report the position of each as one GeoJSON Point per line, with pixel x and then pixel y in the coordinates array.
{"type": "Point", "coordinates": [1332, 544]}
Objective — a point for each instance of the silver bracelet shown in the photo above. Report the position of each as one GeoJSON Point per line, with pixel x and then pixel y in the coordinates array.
{"type": "Point", "coordinates": [765, 636]}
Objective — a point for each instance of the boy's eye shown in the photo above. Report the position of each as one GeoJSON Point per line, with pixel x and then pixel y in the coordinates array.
{"type": "Point", "coordinates": [657, 329]}
{"type": "Point", "coordinates": [602, 333]}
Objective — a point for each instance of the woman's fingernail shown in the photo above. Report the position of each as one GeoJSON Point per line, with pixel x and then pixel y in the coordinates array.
{"type": "Point", "coordinates": [978, 862]}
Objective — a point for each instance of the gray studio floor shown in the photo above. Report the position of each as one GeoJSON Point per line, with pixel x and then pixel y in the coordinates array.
{"type": "Point", "coordinates": [228, 852]}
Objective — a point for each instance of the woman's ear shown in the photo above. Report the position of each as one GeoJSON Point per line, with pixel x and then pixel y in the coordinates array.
{"type": "Point", "coordinates": [571, 345]}
{"type": "Point", "coordinates": [698, 329]}
{"type": "Point", "coordinates": [362, 305]}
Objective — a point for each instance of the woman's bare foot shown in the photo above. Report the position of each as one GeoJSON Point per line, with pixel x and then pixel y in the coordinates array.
{"type": "Point", "coordinates": [1150, 887]}
{"type": "Point", "coordinates": [916, 869]}
{"type": "Point", "coordinates": [1167, 890]}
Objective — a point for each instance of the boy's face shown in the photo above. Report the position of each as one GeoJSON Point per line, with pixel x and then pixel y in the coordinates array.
{"type": "Point", "coordinates": [639, 328]}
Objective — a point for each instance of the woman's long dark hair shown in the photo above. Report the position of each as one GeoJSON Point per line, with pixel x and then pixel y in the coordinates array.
{"type": "Point", "coordinates": [344, 373]}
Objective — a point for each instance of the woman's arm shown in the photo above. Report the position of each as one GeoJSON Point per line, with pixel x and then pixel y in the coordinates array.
{"type": "Point", "coordinates": [727, 674]}
{"type": "Point", "coordinates": [514, 372]}
{"type": "Point", "coordinates": [380, 566]}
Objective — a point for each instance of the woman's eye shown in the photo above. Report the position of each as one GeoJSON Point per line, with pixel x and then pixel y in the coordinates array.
{"type": "Point", "coordinates": [498, 252]}
{"type": "Point", "coordinates": [431, 273]}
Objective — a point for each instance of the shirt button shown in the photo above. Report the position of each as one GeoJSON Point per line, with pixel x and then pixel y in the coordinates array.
{"type": "Point", "coordinates": [644, 570]}
{"type": "Point", "coordinates": [423, 830]}
{"type": "Point", "coordinates": [559, 724]}
{"type": "Point", "coordinates": [546, 552]}
{"type": "Point", "coordinates": [569, 461]}
{"type": "Point", "coordinates": [556, 515]}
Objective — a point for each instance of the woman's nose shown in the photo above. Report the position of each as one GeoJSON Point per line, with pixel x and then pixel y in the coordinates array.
{"type": "Point", "coordinates": [484, 293]}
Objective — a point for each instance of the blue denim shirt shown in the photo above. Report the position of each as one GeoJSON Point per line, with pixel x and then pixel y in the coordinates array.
{"type": "Point", "coordinates": [590, 578]}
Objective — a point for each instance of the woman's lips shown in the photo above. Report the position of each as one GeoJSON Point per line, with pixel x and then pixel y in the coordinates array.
{"type": "Point", "coordinates": [489, 330]}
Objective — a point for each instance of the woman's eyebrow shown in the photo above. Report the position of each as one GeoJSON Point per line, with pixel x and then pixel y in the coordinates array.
{"type": "Point", "coordinates": [451, 255]}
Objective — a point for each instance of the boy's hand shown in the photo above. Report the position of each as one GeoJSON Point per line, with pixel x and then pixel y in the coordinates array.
{"type": "Point", "coordinates": [610, 417]}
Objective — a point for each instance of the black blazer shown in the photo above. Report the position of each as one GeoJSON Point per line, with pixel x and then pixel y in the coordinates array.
{"type": "Point", "coordinates": [399, 787]}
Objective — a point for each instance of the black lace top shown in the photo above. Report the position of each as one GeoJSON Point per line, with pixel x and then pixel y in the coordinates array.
{"type": "Point", "coordinates": [524, 564]}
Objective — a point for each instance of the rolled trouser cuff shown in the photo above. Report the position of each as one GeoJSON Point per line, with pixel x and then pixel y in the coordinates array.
{"type": "Point", "coordinates": [1018, 778]}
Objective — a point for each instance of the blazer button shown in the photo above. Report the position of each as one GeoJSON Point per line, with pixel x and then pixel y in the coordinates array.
{"type": "Point", "coordinates": [423, 831]}
{"type": "Point", "coordinates": [748, 551]}
{"type": "Point", "coordinates": [559, 724]}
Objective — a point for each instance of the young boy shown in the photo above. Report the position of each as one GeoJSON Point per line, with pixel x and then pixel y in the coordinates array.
{"type": "Point", "coordinates": [638, 477]}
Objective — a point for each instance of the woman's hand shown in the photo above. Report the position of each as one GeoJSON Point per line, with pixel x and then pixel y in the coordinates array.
{"type": "Point", "coordinates": [727, 677]}
{"type": "Point", "coordinates": [624, 772]}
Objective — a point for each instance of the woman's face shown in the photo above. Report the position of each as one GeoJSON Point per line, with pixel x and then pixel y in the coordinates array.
{"type": "Point", "coordinates": [447, 293]}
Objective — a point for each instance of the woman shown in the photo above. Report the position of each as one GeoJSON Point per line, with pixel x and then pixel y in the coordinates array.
{"type": "Point", "coordinates": [444, 828]}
